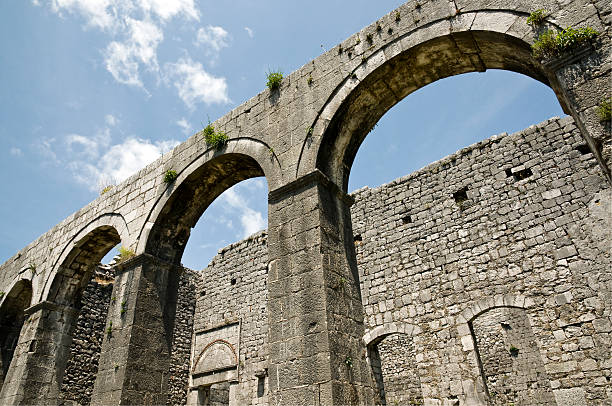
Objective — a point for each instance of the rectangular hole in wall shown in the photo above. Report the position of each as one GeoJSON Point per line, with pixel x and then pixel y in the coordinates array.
{"type": "Point", "coordinates": [583, 149]}
{"type": "Point", "coordinates": [522, 174]}
{"type": "Point", "coordinates": [460, 195]}
{"type": "Point", "coordinates": [406, 219]}
{"type": "Point", "coordinates": [261, 386]}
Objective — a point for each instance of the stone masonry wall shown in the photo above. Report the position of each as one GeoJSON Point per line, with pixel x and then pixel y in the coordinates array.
{"type": "Point", "coordinates": [526, 214]}
{"type": "Point", "coordinates": [82, 366]}
{"type": "Point", "coordinates": [181, 341]}
{"type": "Point", "coordinates": [514, 215]}
{"type": "Point", "coordinates": [510, 358]}
{"type": "Point", "coordinates": [233, 289]}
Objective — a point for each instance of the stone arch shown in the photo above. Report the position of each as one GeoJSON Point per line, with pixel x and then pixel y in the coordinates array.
{"type": "Point", "coordinates": [475, 386]}
{"type": "Point", "coordinates": [12, 316]}
{"type": "Point", "coordinates": [473, 41]}
{"type": "Point", "coordinates": [393, 367]}
{"type": "Point", "coordinates": [72, 269]}
{"type": "Point", "coordinates": [167, 229]}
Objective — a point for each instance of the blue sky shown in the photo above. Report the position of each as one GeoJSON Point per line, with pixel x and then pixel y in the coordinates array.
{"type": "Point", "coordinates": [92, 90]}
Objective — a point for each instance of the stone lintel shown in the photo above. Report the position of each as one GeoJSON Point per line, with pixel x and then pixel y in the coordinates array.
{"type": "Point", "coordinates": [315, 177]}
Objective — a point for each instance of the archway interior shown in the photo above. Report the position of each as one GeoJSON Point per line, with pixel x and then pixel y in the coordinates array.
{"type": "Point", "coordinates": [474, 51]}
{"type": "Point", "coordinates": [76, 270]}
{"type": "Point", "coordinates": [191, 198]}
{"type": "Point", "coordinates": [11, 320]}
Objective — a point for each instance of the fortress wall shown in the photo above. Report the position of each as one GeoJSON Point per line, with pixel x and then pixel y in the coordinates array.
{"type": "Point", "coordinates": [512, 232]}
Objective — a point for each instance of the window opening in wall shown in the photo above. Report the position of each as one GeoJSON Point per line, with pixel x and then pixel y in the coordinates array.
{"type": "Point", "coordinates": [461, 196]}
{"type": "Point", "coordinates": [261, 385]}
{"type": "Point", "coordinates": [522, 174]}
{"type": "Point", "coordinates": [583, 149]}
{"type": "Point", "coordinates": [407, 219]}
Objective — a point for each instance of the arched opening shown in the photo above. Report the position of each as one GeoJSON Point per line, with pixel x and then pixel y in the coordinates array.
{"type": "Point", "coordinates": [85, 286]}
{"type": "Point", "coordinates": [216, 304]}
{"type": "Point", "coordinates": [394, 370]}
{"type": "Point", "coordinates": [510, 361]}
{"type": "Point", "coordinates": [418, 235]}
{"type": "Point", "coordinates": [390, 83]}
{"type": "Point", "coordinates": [11, 320]}
{"type": "Point", "coordinates": [191, 198]}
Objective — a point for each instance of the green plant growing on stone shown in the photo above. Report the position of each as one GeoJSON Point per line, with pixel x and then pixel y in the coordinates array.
{"type": "Point", "coordinates": [604, 110]}
{"type": "Point", "coordinates": [109, 329]}
{"type": "Point", "coordinates": [537, 17]}
{"type": "Point", "coordinates": [125, 254]}
{"type": "Point", "coordinates": [2, 295]}
{"type": "Point", "coordinates": [348, 361]}
{"type": "Point", "coordinates": [170, 176]}
{"type": "Point", "coordinates": [116, 366]}
{"type": "Point", "coordinates": [309, 131]}
{"type": "Point", "coordinates": [123, 308]}
{"type": "Point", "coordinates": [364, 60]}
{"type": "Point", "coordinates": [114, 299]}
{"type": "Point", "coordinates": [553, 43]}
{"type": "Point", "coordinates": [214, 139]}
{"type": "Point", "coordinates": [311, 80]}
{"type": "Point", "coordinates": [274, 80]}
{"type": "Point", "coordinates": [106, 189]}
{"type": "Point", "coordinates": [370, 38]}
{"type": "Point", "coordinates": [513, 351]}
{"type": "Point", "coordinates": [398, 16]}
{"type": "Point", "coordinates": [32, 268]}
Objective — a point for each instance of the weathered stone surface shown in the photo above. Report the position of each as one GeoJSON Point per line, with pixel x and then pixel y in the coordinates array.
{"type": "Point", "coordinates": [303, 138]}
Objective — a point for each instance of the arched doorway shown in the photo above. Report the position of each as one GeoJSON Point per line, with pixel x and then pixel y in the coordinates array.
{"type": "Point", "coordinates": [12, 317]}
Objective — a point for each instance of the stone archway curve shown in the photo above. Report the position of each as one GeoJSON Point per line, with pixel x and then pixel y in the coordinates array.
{"type": "Point", "coordinates": [208, 175]}
{"type": "Point", "coordinates": [114, 222]}
{"type": "Point", "coordinates": [377, 334]}
{"type": "Point", "coordinates": [473, 41]}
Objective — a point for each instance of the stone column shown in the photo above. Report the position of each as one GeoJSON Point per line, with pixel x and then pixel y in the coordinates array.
{"type": "Point", "coordinates": [582, 79]}
{"type": "Point", "coordinates": [135, 357]}
{"type": "Point", "coordinates": [315, 313]}
{"type": "Point", "coordinates": [39, 360]}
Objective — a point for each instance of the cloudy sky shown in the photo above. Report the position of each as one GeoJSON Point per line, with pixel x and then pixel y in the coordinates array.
{"type": "Point", "coordinates": [93, 90]}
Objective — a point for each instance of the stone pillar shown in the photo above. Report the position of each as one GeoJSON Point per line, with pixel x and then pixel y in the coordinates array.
{"type": "Point", "coordinates": [315, 313]}
{"type": "Point", "coordinates": [135, 357]}
{"type": "Point", "coordinates": [39, 361]}
{"type": "Point", "coordinates": [582, 79]}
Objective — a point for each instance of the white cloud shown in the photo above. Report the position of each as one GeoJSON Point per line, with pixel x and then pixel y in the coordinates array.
{"type": "Point", "coordinates": [216, 38]}
{"type": "Point", "coordinates": [251, 220]}
{"type": "Point", "coordinates": [15, 151]}
{"type": "Point", "coordinates": [134, 26]}
{"type": "Point", "coordinates": [185, 126]}
{"type": "Point", "coordinates": [110, 120]}
{"type": "Point", "coordinates": [95, 12]}
{"type": "Point", "coordinates": [250, 32]}
{"type": "Point", "coordinates": [195, 85]}
{"type": "Point", "coordinates": [123, 160]}
{"type": "Point", "coordinates": [95, 162]}
{"type": "Point", "coordinates": [123, 59]}
{"type": "Point", "coordinates": [166, 9]}
{"type": "Point", "coordinates": [78, 145]}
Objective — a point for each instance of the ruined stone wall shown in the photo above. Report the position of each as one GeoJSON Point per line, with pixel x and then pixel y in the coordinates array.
{"type": "Point", "coordinates": [521, 215]}
{"type": "Point", "coordinates": [82, 365]}
{"type": "Point", "coordinates": [231, 306]}
{"type": "Point", "coordinates": [516, 215]}
{"type": "Point", "coordinates": [181, 341]}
